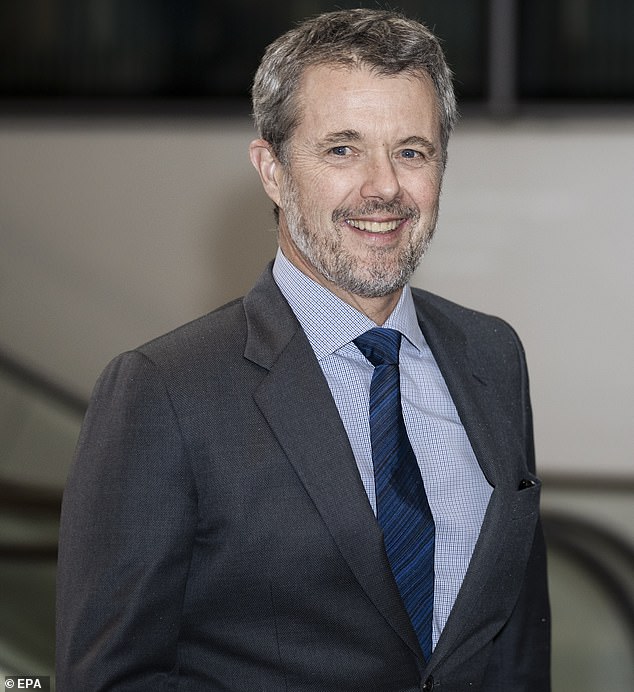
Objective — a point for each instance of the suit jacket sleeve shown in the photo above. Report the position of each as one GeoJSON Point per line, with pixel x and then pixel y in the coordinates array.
{"type": "Point", "coordinates": [127, 528]}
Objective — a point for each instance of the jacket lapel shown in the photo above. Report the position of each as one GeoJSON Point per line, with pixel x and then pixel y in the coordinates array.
{"type": "Point", "coordinates": [296, 401]}
{"type": "Point", "coordinates": [493, 578]}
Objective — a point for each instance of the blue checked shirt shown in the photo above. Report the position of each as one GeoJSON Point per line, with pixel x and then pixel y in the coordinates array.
{"type": "Point", "coordinates": [457, 490]}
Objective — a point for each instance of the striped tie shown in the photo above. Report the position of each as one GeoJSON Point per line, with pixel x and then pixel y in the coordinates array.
{"type": "Point", "coordinates": [401, 503]}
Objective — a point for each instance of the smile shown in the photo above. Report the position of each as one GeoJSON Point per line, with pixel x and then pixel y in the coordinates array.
{"type": "Point", "coordinates": [375, 226]}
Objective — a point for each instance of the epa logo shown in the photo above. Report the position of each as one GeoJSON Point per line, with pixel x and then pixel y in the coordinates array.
{"type": "Point", "coordinates": [23, 682]}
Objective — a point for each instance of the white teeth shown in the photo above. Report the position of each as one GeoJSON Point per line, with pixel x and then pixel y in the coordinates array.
{"type": "Point", "coordinates": [374, 226]}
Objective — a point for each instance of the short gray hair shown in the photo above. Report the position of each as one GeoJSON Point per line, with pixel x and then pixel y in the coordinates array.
{"type": "Point", "coordinates": [385, 41]}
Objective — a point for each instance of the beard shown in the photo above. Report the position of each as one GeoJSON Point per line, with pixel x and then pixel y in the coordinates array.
{"type": "Point", "coordinates": [382, 272]}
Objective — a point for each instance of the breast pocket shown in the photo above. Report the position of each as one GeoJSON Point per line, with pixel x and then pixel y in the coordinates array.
{"type": "Point", "coordinates": [526, 498]}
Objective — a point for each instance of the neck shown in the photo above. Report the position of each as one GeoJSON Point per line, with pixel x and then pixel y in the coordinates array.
{"type": "Point", "coordinates": [377, 309]}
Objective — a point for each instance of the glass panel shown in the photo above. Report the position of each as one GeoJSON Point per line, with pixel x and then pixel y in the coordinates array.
{"type": "Point", "coordinates": [590, 641]}
{"type": "Point", "coordinates": [37, 435]}
{"type": "Point", "coordinates": [184, 49]}
{"type": "Point", "coordinates": [577, 50]}
{"type": "Point", "coordinates": [27, 612]}
{"type": "Point", "coordinates": [38, 430]}
{"type": "Point", "coordinates": [589, 528]}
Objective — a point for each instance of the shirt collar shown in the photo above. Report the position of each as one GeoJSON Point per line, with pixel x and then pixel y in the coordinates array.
{"type": "Point", "coordinates": [329, 322]}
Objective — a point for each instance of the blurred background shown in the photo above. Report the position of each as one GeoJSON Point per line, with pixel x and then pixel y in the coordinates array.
{"type": "Point", "coordinates": [128, 206]}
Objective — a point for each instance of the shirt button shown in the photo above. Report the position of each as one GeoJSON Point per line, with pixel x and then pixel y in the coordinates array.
{"type": "Point", "coordinates": [427, 685]}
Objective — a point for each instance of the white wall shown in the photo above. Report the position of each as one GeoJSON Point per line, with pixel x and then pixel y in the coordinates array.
{"type": "Point", "coordinates": [114, 232]}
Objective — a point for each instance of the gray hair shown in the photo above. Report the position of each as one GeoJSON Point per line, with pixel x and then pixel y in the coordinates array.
{"type": "Point", "coordinates": [385, 41]}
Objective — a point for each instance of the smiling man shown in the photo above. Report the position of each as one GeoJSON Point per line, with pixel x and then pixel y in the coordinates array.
{"type": "Point", "coordinates": [327, 485]}
{"type": "Point", "coordinates": [359, 192]}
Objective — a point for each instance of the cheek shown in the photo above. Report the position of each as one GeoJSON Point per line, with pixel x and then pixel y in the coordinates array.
{"type": "Point", "coordinates": [430, 200]}
{"type": "Point", "coordinates": [425, 193]}
{"type": "Point", "coordinates": [323, 188]}
{"type": "Point", "coordinates": [326, 196]}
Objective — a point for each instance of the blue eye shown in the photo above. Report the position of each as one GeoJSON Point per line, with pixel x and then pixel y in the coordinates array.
{"type": "Point", "coordinates": [340, 151]}
{"type": "Point", "coordinates": [410, 154]}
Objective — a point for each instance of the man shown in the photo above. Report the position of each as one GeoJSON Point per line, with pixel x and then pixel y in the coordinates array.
{"type": "Point", "coordinates": [266, 499]}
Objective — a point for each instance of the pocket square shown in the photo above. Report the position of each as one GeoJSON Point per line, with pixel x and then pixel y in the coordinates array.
{"type": "Point", "coordinates": [526, 483]}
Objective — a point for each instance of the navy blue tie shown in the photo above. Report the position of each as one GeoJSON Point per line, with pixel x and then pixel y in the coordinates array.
{"type": "Point", "coordinates": [401, 503]}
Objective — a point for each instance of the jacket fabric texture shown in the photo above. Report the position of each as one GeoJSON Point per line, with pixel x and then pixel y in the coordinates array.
{"type": "Point", "coordinates": [216, 535]}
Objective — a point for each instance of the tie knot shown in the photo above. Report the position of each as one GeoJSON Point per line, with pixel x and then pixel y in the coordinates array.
{"type": "Point", "coordinates": [380, 346]}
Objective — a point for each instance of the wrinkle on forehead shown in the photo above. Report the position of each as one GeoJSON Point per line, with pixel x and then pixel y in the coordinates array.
{"type": "Point", "coordinates": [334, 108]}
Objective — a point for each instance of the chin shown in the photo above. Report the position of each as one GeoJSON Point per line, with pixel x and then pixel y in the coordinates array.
{"type": "Point", "coordinates": [372, 283]}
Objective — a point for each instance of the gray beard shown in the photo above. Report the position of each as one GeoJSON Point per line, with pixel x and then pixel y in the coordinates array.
{"type": "Point", "coordinates": [340, 268]}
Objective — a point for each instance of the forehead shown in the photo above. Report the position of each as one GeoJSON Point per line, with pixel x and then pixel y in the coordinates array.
{"type": "Point", "coordinates": [332, 97]}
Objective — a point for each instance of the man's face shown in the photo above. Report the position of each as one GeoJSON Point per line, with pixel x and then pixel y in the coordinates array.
{"type": "Point", "coordinates": [358, 195]}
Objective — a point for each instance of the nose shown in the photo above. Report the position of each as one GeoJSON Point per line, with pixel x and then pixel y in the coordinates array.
{"type": "Point", "coordinates": [380, 179]}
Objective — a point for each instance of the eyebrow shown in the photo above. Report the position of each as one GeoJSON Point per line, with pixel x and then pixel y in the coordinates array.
{"type": "Point", "coordinates": [341, 137]}
{"type": "Point", "coordinates": [345, 136]}
{"type": "Point", "coordinates": [417, 141]}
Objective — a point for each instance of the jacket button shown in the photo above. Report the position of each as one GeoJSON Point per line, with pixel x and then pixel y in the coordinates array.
{"type": "Point", "coordinates": [427, 685]}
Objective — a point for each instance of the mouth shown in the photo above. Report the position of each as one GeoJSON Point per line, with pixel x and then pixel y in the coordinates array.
{"type": "Point", "coordinates": [378, 227]}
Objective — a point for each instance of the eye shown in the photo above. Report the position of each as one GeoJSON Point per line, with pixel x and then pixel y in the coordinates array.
{"type": "Point", "coordinates": [411, 154]}
{"type": "Point", "coordinates": [340, 150]}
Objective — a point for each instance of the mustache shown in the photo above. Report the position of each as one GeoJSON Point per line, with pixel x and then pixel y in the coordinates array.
{"type": "Point", "coordinates": [394, 208]}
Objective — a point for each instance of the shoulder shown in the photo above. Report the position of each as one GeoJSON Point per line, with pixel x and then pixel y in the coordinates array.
{"type": "Point", "coordinates": [222, 335]}
{"type": "Point", "coordinates": [220, 331]}
{"type": "Point", "coordinates": [473, 324]}
{"type": "Point", "coordinates": [203, 356]}
{"type": "Point", "coordinates": [187, 361]}
{"type": "Point", "coordinates": [461, 333]}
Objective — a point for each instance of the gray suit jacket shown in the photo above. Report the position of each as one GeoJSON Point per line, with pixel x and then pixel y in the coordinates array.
{"type": "Point", "coordinates": [216, 534]}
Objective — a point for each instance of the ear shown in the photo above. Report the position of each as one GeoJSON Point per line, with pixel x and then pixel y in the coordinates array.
{"type": "Point", "coordinates": [268, 166]}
